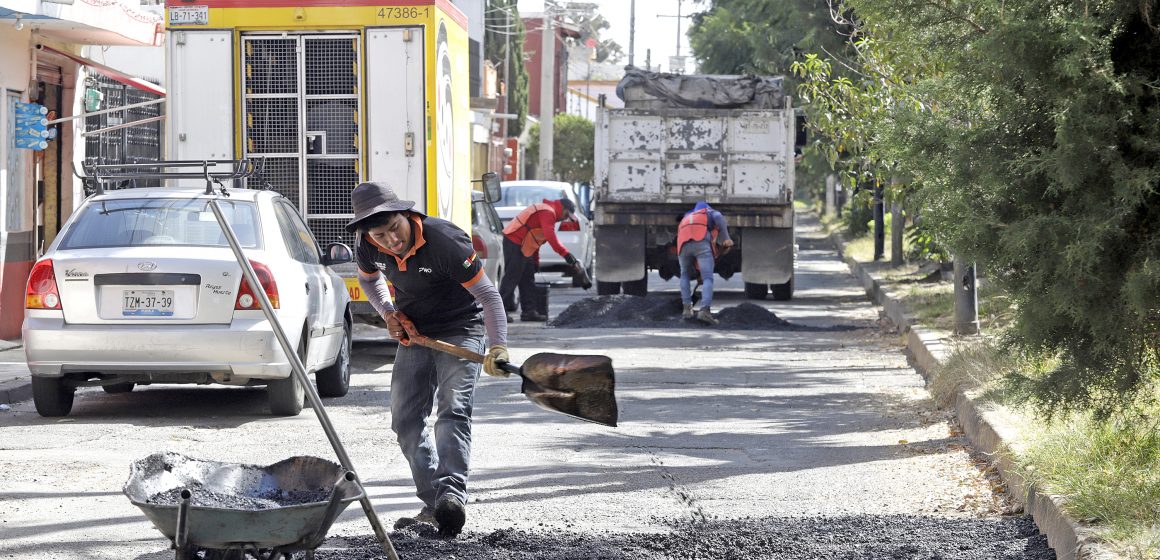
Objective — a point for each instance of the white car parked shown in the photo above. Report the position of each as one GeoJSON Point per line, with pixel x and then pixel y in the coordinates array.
{"type": "Point", "coordinates": [141, 287]}
{"type": "Point", "coordinates": [576, 236]}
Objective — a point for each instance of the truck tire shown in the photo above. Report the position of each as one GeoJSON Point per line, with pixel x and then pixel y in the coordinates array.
{"type": "Point", "coordinates": [51, 396]}
{"type": "Point", "coordinates": [334, 380]}
{"type": "Point", "coordinates": [755, 291]}
{"type": "Point", "coordinates": [607, 288]}
{"type": "Point", "coordinates": [637, 287]}
{"type": "Point", "coordinates": [783, 292]}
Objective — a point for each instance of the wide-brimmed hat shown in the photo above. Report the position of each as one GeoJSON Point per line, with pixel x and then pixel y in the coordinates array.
{"type": "Point", "coordinates": [368, 199]}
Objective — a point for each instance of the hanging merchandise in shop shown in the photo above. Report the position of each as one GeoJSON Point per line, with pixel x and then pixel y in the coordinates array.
{"type": "Point", "coordinates": [32, 131]}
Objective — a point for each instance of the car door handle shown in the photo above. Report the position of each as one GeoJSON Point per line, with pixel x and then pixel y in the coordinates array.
{"type": "Point", "coordinates": [308, 287]}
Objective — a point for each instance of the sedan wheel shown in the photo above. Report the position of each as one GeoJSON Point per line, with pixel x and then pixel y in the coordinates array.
{"type": "Point", "coordinates": [334, 380]}
{"type": "Point", "coordinates": [286, 395]}
{"type": "Point", "coordinates": [51, 396]}
{"type": "Point", "coordinates": [119, 388]}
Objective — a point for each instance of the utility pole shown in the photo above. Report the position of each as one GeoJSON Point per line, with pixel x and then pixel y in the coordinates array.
{"type": "Point", "coordinates": [547, 91]}
{"type": "Point", "coordinates": [631, 31]}
{"type": "Point", "coordinates": [509, 83]}
{"type": "Point", "coordinates": [677, 62]}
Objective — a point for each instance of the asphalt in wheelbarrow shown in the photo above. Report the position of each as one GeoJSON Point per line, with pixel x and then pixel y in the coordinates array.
{"type": "Point", "coordinates": [850, 537]}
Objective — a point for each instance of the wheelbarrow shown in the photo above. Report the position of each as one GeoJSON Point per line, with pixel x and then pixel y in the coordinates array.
{"type": "Point", "coordinates": [224, 511]}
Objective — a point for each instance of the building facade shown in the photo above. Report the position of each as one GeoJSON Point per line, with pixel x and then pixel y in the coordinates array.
{"type": "Point", "coordinates": [45, 59]}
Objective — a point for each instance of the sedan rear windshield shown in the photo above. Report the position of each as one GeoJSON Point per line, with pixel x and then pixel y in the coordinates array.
{"type": "Point", "coordinates": [526, 195]}
{"type": "Point", "coordinates": [141, 222]}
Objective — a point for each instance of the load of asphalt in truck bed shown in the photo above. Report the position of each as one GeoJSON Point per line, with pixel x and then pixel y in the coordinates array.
{"type": "Point", "coordinates": [851, 537]}
{"type": "Point", "coordinates": [664, 311]}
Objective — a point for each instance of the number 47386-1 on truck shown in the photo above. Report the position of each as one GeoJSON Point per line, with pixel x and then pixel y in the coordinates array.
{"type": "Point", "coordinates": [726, 140]}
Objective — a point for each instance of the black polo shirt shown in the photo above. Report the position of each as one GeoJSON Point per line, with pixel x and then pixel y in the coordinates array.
{"type": "Point", "coordinates": [430, 281]}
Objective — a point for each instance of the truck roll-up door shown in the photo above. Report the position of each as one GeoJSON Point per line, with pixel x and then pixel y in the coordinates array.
{"type": "Point", "coordinates": [200, 117]}
{"type": "Point", "coordinates": [395, 127]}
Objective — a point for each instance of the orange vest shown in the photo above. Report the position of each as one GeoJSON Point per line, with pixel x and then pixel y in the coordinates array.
{"type": "Point", "coordinates": [535, 236]}
{"type": "Point", "coordinates": [694, 226]}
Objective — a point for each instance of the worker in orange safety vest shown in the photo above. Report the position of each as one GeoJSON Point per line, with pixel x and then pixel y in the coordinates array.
{"type": "Point", "coordinates": [523, 236]}
{"type": "Point", "coordinates": [701, 230]}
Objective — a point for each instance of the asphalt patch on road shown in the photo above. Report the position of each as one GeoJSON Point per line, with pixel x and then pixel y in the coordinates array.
{"type": "Point", "coordinates": [860, 537]}
{"type": "Point", "coordinates": [664, 311]}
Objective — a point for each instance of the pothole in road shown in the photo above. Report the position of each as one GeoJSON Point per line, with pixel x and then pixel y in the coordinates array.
{"type": "Point", "coordinates": [898, 536]}
{"type": "Point", "coordinates": [664, 311]}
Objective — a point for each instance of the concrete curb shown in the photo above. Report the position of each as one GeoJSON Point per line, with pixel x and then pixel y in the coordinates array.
{"type": "Point", "coordinates": [15, 390]}
{"type": "Point", "coordinates": [928, 349]}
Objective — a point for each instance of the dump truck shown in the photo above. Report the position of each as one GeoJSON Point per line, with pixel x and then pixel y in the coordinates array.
{"type": "Point", "coordinates": [327, 95]}
{"type": "Point", "coordinates": [680, 139]}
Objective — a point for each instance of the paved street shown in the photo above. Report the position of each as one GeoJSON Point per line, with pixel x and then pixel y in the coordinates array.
{"type": "Point", "coordinates": [714, 425]}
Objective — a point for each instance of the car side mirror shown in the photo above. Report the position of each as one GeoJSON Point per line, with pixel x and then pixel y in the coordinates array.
{"type": "Point", "coordinates": [491, 187]}
{"type": "Point", "coordinates": [337, 253]}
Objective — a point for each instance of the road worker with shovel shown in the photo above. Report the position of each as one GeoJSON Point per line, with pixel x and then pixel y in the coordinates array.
{"type": "Point", "coordinates": [440, 289]}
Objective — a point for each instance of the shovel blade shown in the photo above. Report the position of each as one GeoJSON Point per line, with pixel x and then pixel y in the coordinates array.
{"type": "Point", "coordinates": [582, 387]}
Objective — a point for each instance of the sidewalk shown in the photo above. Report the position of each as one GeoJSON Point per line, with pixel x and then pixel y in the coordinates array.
{"type": "Point", "coordinates": [15, 381]}
{"type": "Point", "coordinates": [928, 349]}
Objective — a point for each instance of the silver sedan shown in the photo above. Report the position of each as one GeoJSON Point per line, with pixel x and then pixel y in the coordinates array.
{"type": "Point", "coordinates": [141, 287]}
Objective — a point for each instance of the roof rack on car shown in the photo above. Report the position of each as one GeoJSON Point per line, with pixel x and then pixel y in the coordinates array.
{"type": "Point", "coordinates": [213, 171]}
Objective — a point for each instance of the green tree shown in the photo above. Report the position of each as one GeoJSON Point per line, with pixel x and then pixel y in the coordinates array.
{"type": "Point", "coordinates": [762, 37]}
{"type": "Point", "coordinates": [1030, 128]}
{"type": "Point", "coordinates": [504, 31]}
{"type": "Point", "coordinates": [573, 142]}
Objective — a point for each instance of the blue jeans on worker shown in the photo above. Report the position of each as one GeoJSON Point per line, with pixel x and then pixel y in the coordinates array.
{"type": "Point", "coordinates": [422, 377]}
{"type": "Point", "coordinates": [701, 252]}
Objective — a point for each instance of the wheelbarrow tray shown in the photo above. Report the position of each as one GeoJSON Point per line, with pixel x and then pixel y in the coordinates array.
{"type": "Point", "coordinates": [253, 505]}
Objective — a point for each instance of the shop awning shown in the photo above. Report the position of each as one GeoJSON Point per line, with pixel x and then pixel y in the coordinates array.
{"type": "Point", "coordinates": [87, 22]}
{"type": "Point", "coordinates": [111, 72]}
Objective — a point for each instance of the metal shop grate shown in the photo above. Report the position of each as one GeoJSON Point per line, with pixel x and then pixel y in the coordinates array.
{"type": "Point", "coordinates": [328, 185]}
{"type": "Point", "coordinates": [331, 66]}
{"type": "Point", "coordinates": [282, 174]}
{"type": "Point", "coordinates": [331, 126]}
{"type": "Point", "coordinates": [270, 65]}
{"type": "Point", "coordinates": [331, 230]}
{"type": "Point", "coordinates": [272, 126]}
{"type": "Point", "coordinates": [135, 144]}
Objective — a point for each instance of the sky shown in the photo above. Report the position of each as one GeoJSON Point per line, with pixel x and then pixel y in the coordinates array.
{"type": "Point", "coordinates": [656, 33]}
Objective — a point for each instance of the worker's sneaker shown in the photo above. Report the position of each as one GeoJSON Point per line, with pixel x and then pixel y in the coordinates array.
{"type": "Point", "coordinates": [706, 316]}
{"type": "Point", "coordinates": [534, 316]}
{"type": "Point", "coordinates": [450, 515]}
{"type": "Point", "coordinates": [426, 515]}
{"type": "Point", "coordinates": [688, 312]}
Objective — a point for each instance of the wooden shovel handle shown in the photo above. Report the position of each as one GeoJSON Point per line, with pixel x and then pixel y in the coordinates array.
{"type": "Point", "coordinates": [447, 347]}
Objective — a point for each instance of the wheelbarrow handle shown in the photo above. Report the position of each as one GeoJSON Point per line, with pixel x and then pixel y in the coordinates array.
{"type": "Point", "coordinates": [454, 350]}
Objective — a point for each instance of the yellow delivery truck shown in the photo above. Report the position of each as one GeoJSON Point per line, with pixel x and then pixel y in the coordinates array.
{"type": "Point", "coordinates": [329, 94]}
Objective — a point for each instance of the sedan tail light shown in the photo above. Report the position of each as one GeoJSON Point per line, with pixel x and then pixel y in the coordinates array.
{"type": "Point", "coordinates": [569, 225]}
{"type": "Point", "coordinates": [246, 297]}
{"type": "Point", "coordinates": [41, 292]}
{"type": "Point", "coordinates": [479, 246]}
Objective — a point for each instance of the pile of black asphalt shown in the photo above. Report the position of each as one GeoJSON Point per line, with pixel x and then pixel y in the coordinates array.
{"type": "Point", "coordinates": [857, 537]}
{"type": "Point", "coordinates": [660, 310]}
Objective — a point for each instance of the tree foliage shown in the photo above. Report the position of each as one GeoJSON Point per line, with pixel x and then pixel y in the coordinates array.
{"type": "Point", "coordinates": [1031, 132]}
{"type": "Point", "coordinates": [762, 37]}
{"type": "Point", "coordinates": [573, 143]}
{"type": "Point", "coordinates": [590, 25]}
{"type": "Point", "coordinates": [505, 30]}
